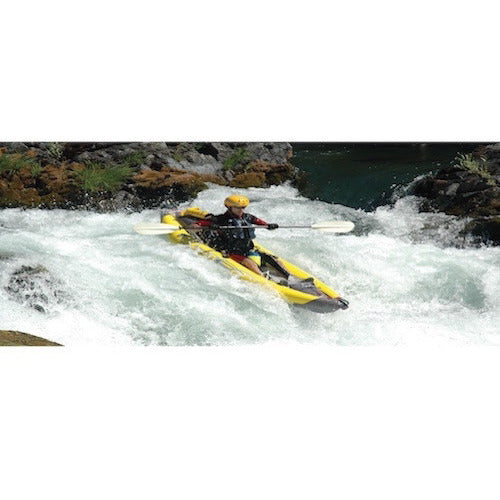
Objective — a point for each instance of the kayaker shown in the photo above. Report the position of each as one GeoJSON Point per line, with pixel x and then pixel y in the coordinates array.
{"type": "Point", "coordinates": [236, 243]}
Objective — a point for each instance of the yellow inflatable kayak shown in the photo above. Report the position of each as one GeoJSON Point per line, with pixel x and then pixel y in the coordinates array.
{"type": "Point", "coordinates": [300, 288]}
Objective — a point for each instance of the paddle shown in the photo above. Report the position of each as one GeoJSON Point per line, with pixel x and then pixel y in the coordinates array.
{"type": "Point", "coordinates": [339, 226]}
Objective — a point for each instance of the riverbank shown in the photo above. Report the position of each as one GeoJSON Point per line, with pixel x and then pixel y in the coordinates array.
{"type": "Point", "coordinates": [11, 338]}
{"type": "Point", "coordinates": [134, 176]}
{"type": "Point", "coordinates": [106, 177]}
{"type": "Point", "coordinates": [469, 188]}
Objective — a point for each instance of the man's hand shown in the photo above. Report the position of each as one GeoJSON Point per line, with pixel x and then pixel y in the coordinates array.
{"type": "Point", "coordinates": [272, 226]}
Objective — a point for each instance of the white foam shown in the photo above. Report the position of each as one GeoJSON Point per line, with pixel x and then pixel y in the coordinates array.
{"type": "Point", "coordinates": [405, 284]}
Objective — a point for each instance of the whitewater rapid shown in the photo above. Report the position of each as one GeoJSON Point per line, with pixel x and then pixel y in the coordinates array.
{"type": "Point", "coordinates": [405, 280]}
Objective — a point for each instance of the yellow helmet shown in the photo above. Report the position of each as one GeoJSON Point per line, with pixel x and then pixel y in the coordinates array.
{"type": "Point", "coordinates": [236, 200]}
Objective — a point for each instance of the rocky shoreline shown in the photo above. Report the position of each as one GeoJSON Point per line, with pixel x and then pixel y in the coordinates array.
{"type": "Point", "coordinates": [470, 188]}
{"type": "Point", "coordinates": [133, 176]}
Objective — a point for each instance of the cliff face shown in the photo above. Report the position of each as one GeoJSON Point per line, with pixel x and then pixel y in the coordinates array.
{"type": "Point", "coordinates": [110, 176]}
{"type": "Point", "coordinates": [470, 188]}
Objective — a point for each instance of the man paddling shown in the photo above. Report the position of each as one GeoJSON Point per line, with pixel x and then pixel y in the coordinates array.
{"type": "Point", "coordinates": [237, 243]}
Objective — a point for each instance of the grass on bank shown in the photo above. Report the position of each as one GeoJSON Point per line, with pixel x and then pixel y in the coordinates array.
{"type": "Point", "coordinates": [55, 150]}
{"type": "Point", "coordinates": [97, 177]}
{"type": "Point", "coordinates": [134, 160]}
{"type": "Point", "coordinates": [12, 162]}
{"type": "Point", "coordinates": [476, 166]}
{"type": "Point", "coordinates": [240, 157]}
{"type": "Point", "coordinates": [36, 169]}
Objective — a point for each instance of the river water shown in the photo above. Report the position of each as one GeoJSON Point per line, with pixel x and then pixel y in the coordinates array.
{"type": "Point", "coordinates": [405, 277]}
{"type": "Point", "coordinates": [366, 175]}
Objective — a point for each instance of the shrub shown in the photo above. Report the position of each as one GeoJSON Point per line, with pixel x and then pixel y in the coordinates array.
{"type": "Point", "coordinates": [240, 157]}
{"type": "Point", "coordinates": [476, 166]}
{"type": "Point", "coordinates": [97, 177]}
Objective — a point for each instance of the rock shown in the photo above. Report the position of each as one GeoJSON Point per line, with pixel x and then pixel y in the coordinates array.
{"type": "Point", "coordinates": [56, 178]}
{"type": "Point", "coordinates": [484, 230]}
{"type": "Point", "coordinates": [492, 151]}
{"type": "Point", "coordinates": [262, 174]}
{"type": "Point", "coordinates": [14, 147]}
{"type": "Point", "coordinates": [269, 152]}
{"type": "Point", "coordinates": [207, 149]}
{"type": "Point", "coordinates": [275, 173]}
{"type": "Point", "coordinates": [470, 188]}
{"type": "Point", "coordinates": [11, 338]}
{"type": "Point", "coordinates": [168, 184]}
{"type": "Point", "coordinates": [472, 185]}
{"type": "Point", "coordinates": [93, 151]}
{"type": "Point", "coordinates": [277, 153]}
{"type": "Point", "coordinates": [36, 288]}
{"type": "Point", "coordinates": [123, 200]}
{"type": "Point", "coordinates": [249, 179]}
{"type": "Point", "coordinates": [452, 189]}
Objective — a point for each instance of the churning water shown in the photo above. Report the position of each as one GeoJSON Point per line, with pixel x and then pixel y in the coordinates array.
{"type": "Point", "coordinates": [98, 282]}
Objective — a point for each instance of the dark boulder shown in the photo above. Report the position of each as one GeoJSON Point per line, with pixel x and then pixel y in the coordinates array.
{"type": "Point", "coordinates": [469, 188]}
{"type": "Point", "coordinates": [34, 287]}
{"type": "Point", "coordinates": [484, 230]}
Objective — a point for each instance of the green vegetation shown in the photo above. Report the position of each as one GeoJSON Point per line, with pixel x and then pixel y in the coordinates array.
{"type": "Point", "coordinates": [181, 150]}
{"type": "Point", "coordinates": [476, 166]}
{"type": "Point", "coordinates": [134, 160]}
{"type": "Point", "coordinates": [55, 150]}
{"type": "Point", "coordinates": [36, 169]}
{"type": "Point", "coordinates": [178, 157]}
{"type": "Point", "coordinates": [240, 157]}
{"type": "Point", "coordinates": [12, 162]}
{"type": "Point", "coordinates": [97, 177]}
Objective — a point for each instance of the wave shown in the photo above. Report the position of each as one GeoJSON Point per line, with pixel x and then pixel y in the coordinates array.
{"type": "Point", "coordinates": [405, 283]}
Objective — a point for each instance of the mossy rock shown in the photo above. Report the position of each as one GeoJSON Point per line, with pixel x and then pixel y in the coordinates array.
{"type": "Point", "coordinates": [249, 179]}
{"type": "Point", "coordinates": [168, 182]}
{"type": "Point", "coordinates": [274, 173]}
{"type": "Point", "coordinates": [214, 179]}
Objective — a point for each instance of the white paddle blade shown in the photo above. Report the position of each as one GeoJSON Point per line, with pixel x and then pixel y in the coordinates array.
{"type": "Point", "coordinates": [155, 228]}
{"type": "Point", "coordinates": [337, 226]}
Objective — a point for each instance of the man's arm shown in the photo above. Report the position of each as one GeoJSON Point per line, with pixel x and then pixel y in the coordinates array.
{"type": "Point", "coordinates": [261, 222]}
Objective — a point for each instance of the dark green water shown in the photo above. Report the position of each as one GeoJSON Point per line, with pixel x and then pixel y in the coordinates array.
{"type": "Point", "coordinates": [364, 175]}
